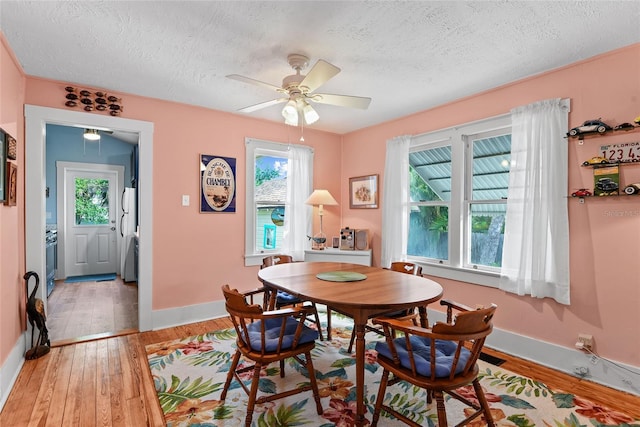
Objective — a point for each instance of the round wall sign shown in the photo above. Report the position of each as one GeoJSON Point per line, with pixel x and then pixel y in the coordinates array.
{"type": "Point", "coordinates": [218, 184]}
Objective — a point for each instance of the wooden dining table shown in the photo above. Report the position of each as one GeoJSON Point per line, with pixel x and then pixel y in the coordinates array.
{"type": "Point", "coordinates": [381, 291]}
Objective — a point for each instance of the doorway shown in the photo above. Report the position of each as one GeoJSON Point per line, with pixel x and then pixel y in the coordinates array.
{"type": "Point", "coordinates": [36, 119]}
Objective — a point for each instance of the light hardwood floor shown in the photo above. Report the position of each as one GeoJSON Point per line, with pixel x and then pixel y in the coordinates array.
{"type": "Point", "coordinates": [88, 310]}
{"type": "Point", "coordinates": [108, 383]}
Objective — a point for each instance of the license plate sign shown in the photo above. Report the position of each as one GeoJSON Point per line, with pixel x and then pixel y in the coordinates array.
{"type": "Point", "coordinates": [621, 153]}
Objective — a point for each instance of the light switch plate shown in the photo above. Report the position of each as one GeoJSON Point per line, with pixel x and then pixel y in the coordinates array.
{"type": "Point", "coordinates": [185, 200]}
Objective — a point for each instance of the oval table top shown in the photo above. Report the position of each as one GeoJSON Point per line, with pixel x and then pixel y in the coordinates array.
{"type": "Point", "coordinates": [382, 289]}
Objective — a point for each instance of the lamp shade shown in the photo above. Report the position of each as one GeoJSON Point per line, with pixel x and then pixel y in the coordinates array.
{"type": "Point", "coordinates": [310, 115]}
{"type": "Point", "coordinates": [290, 113]}
{"type": "Point", "coordinates": [321, 197]}
{"type": "Point", "coordinates": [91, 134]}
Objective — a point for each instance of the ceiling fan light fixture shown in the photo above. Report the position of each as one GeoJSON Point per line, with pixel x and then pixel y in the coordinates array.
{"type": "Point", "coordinates": [91, 134]}
{"type": "Point", "coordinates": [310, 115]}
{"type": "Point", "coordinates": [290, 113]}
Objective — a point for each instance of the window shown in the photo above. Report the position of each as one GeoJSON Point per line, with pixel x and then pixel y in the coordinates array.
{"type": "Point", "coordinates": [458, 189]}
{"type": "Point", "coordinates": [267, 172]}
{"type": "Point", "coordinates": [91, 201]}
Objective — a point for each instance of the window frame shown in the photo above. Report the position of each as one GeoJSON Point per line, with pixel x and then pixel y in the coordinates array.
{"type": "Point", "coordinates": [253, 146]}
{"type": "Point", "coordinates": [461, 175]}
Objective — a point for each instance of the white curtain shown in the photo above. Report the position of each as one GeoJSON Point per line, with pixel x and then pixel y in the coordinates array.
{"type": "Point", "coordinates": [395, 201]}
{"type": "Point", "coordinates": [535, 258]}
{"type": "Point", "coordinates": [297, 220]}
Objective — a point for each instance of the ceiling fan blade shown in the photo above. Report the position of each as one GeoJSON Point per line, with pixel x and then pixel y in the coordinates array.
{"type": "Point", "coordinates": [261, 105]}
{"type": "Point", "coordinates": [341, 100]}
{"type": "Point", "coordinates": [321, 72]}
{"type": "Point", "coordinates": [254, 82]}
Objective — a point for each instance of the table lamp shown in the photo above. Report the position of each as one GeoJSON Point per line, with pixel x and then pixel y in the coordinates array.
{"type": "Point", "coordinates": [320, 198]}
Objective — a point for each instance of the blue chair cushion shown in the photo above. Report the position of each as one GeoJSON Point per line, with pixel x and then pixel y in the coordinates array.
{"type": "Point", "coordinates": [284, 298]}
{"type": "Point", "coordinates": [445, 353]}
{"type": "Point", "coordinates": [272, 334]}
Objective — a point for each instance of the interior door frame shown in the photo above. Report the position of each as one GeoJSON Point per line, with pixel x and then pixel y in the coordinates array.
{"type": "Point", "coordinates": [36, 120]}
{"type": "Point", "coordinates": [64, 168]}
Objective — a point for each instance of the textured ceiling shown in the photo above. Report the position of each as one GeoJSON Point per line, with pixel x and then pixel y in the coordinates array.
{"type": "Point", "coordinates": [406, 56]}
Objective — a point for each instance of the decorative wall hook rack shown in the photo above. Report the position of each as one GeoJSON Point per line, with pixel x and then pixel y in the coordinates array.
{"type": "Point", "coordinates": [93, 101]}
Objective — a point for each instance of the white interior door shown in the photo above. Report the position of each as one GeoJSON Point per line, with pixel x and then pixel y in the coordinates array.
{"type": "Point", "coordinates": [91, 208]}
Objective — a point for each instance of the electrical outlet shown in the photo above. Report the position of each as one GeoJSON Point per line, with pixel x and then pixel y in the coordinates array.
{"type": "Point", "coordinates": [585, 341]}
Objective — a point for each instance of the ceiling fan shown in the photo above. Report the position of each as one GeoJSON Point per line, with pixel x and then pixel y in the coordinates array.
{"type": "Point", "coordinates": [299, 91]}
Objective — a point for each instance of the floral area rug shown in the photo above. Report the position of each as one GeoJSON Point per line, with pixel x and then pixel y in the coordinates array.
{"type": "Point", "coordinates": [189, 375]}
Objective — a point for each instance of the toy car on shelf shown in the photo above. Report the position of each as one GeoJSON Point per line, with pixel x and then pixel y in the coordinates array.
{"type": "Point", "coordinates": [632, 189]}
{"type": "Point", "coordinates": [624, 126]}
{"type": "Point", "coordinates": [583, 192]}
{"type": "Point", "coordinates": [590, 126]}
{"type": "Point", "coordinates": [595, 161]}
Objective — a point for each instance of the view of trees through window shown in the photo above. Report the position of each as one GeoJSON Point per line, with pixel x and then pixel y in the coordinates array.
{"type": "Point", "coordinates": [92, 201]}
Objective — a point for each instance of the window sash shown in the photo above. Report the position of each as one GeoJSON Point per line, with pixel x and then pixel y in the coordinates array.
{"type": "Point", "coordinates": [459, 265]}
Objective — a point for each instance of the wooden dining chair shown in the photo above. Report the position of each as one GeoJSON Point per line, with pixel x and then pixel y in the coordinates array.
{"type": "Point", "coordinates": [440, 360]}
{"type": "Point", "coordinates": [408, 314]}
{"type": "Point", "coordinates": [264, 337]}
{"type": "Point", "coordinates": [284, 299]}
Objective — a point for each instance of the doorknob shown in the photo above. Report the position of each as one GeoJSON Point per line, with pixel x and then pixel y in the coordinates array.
{"type": "Point", "coordinates": [113, 229]}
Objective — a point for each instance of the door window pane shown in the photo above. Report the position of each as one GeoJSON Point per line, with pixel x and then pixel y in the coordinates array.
{"type": "Point", "coordinates": [92, 201]}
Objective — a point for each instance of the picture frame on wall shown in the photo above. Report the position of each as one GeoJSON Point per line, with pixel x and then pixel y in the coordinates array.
{"type": "Point", "coordinates": [363, 192]}
{"type": "Point", "coordinates": [12, 147]}
{"type": "Point", "coordinates": [11, 184]}
{"type": "Point", "coordinates": [217, 184]}
{"type": "Point", "coordinates": [3, 163]}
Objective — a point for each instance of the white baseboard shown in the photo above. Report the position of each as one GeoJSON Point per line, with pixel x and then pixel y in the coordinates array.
{"type": "Point", "coordinates": [171, 317]}
{"type": "Point", "coordinates": [11, 368]}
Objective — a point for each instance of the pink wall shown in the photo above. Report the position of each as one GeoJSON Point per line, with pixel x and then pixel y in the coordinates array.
{"type": "Point", "coordinates": [12, 299]}
{"type": "Point", "coordinates": [605, 234]}
{"type": "Point", "coordinates": [195, 254]}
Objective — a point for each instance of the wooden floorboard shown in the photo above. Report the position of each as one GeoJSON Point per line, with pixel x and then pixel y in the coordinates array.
{"type": "Point", "coordinates": [103, 385]}
{"type": "Point", "coordinates": [108, 383]}
{"type": "Point", "coordinates": [87, 389]}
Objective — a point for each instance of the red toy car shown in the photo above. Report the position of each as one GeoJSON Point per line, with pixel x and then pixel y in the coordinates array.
{"type": "Point", "coordinates": [583, 192]}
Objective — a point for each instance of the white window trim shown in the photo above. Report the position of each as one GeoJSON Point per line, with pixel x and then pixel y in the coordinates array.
{"type": "Point", "coordinates": [455, 136]}
{"type": "Point", "coordinates": [252, 257]}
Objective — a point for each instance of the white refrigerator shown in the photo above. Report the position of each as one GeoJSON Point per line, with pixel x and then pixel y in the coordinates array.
{"type": "Point", "coordinates": [128, 225]}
